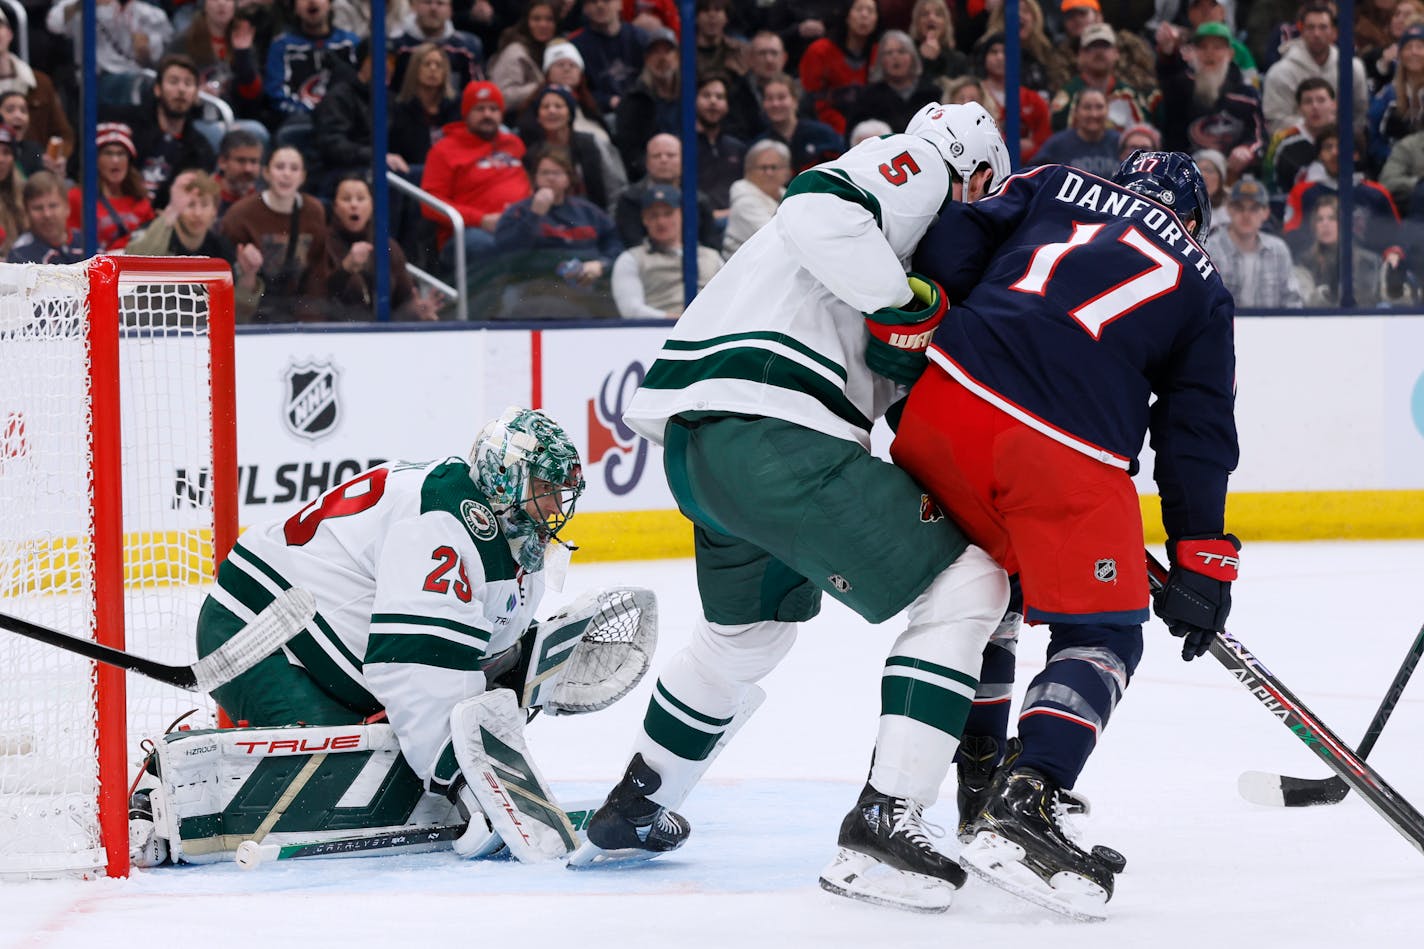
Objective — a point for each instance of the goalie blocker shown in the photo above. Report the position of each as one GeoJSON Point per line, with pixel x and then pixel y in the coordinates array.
{"type": "Point", "coordinates": [205, 793]}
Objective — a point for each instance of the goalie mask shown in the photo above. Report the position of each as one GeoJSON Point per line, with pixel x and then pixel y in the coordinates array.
{"type": "Point", "coordinates": [530, 472]}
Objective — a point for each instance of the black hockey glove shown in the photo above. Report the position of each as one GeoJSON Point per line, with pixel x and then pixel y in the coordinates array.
{"type": "Point", "coordinates": [1196, 599]}
{"type": "Point", "coordinates": [899, 336]}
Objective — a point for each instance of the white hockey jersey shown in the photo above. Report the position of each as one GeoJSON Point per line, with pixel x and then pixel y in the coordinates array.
{"type": "Point", "coordinates": [780, 331]}
{"type": "Point", "coordinates": [415, 585]}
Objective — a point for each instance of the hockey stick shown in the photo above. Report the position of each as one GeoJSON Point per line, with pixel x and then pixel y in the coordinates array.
{"type": "Point", "coordinates": [1278, 790]}
{"type": "Point", "coordinates": [1280, 702]}
{"type": "Point", "coordinates": [252, 854]}
{"type": "Point", "coordinates": [283, 618]}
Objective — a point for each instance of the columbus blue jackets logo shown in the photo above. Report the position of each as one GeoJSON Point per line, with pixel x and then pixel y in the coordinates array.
{"type": "Point", "coordinates": [479, 519]}
{"type": "Point", "coordinates": [311, 408]}
{"type": "Point", "coordinates": [1105, 570]}
{"type": "Point", "coordinates": [929, 510]}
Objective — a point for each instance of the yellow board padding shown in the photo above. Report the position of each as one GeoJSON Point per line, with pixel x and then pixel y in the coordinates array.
{"type": "Point", "coordinates": [1252, 516]}
{"type": "Point", "coordinates": [150, 558]}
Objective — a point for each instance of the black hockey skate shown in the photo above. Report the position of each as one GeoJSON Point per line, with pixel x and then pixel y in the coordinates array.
{"type": "Point", "coordinates": [628, 826]}
{"type": "Point", "coordinates": [1019, 845]}
{"type": "Point", "coordinates": [886, 857]}
{"type": "Point", "coordinates": [976, 763]}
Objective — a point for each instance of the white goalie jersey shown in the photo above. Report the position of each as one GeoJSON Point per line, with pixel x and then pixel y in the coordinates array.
{"type": "Point", "coordinates": [415, 587]}
{"type": "Point", "coordinates": [837, 248]}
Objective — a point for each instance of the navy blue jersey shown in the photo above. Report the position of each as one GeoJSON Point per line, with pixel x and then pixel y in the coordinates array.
{"type": "Point", "coordinates": [1074, 301]}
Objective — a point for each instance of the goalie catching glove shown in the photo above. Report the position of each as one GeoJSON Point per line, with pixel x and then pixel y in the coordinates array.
{"type": "Point", "coordinates": [900, 335]}
{"type": "Point", "coordinates": [1196, 598]}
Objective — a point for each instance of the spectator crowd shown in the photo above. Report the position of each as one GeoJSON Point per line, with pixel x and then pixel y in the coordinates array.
{"type": "Point", "coordinates": [243, 129]}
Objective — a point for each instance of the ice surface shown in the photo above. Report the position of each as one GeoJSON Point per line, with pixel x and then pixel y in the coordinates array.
{"type": "Point", "coordinates": [1206, 870]}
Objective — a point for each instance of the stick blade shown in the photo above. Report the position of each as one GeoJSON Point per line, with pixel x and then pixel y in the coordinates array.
{"type": "Point", "coordinates": [1276, 790]}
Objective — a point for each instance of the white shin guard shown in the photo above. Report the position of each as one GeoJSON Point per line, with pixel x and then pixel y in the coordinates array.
{"type": "Point", "coordinates": [704, 695]}
{"type": "Point", "coordinates": [935, 665]}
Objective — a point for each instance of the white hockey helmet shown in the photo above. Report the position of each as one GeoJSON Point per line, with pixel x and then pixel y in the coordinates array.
{"type": "Point", "coordinates": [966, 136]}
{"type": "Point", "coordinates": [529, 471]}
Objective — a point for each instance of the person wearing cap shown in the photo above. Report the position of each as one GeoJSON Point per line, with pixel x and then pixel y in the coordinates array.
{"type": "Point", "coordinates": [563, 66]}
{"type": "Point", "coordinates": [1136, 64]}
{"type": "Point", "coordinates": [1216, 11]}
{"type": "Point", "coordinates": [518, 66]}
{"type": "Point", "coordinates": [50, 239]}
{"type": "Point", "coordinates": [476, 167]}
{"type": "Point", "coordinates": [652, 105]}
{"type": "Point", "coordinates": [662, 157]}
{"type": "Point", "coordinates": [555, 249]}
{"type": "Point", "coordinates": [429, 22]}
{"type": "Point", "coordinates": [46, 112]}
{"type": "Point", "coordinates": [647, 279]}
{"type": "Point", "coordinates": [647, 15]}
{"type": "Point", "coordinates": [1096, 68]}
{"type": "Point", "coordinates": [835, 68]}
{"type": "Point", "coordinates": [1256, 267]}
{"type": "Point", "coordinates": [1207, 104]}
{"type": "Point", "coordinates": [1294, 147]}
{"type": "Point", "coordinates": [612, 52]}
{"type": "Point", "coordinates": [1388, 119]}
{"type": "Point", "coordinates": [186, 226]}
{"type": "Point", "coordinates": [163, 128]}
{"type": "Point", "coordinates": [1142, 136]}
{"type": "Point", "coordinates": [1313, 54]}
{"type": "Point", "coordinates": [122, 206]}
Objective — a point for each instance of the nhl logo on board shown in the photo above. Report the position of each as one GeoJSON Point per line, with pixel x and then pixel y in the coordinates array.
{"type": "Point", "coordinates": [1105, 570]}
{"type": "Point", "coordinates": [839, 582]}
{"type": "Point", "coordinates": [479, 519]}
{"type": "Point", "coordinates": [311, 408]}
{"type": "Point", "coordinates": [929, 510]}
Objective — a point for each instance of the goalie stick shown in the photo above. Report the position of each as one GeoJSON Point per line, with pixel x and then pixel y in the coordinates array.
{"type": "Point", "coordinates": [252, 854]}
{"type": "Point", "coordinates": [1280, 702]}
{"type": "Point", "coordinates": [1278, 790]}
{"type": "Point", "coordinates": [283, 618]}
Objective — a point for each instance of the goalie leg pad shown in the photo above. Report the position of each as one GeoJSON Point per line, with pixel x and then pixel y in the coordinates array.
{"type": "Point", "coordinates": [488, 735]}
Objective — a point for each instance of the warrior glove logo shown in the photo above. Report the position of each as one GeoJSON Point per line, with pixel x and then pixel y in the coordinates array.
{"type": "Point", "coordinates": [311, 409]}
{"type": "Point", "coordinates": [1105, 570]}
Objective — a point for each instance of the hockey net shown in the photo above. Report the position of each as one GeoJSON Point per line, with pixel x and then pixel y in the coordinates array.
{"type": "Point", "coordinates": [117, 497]}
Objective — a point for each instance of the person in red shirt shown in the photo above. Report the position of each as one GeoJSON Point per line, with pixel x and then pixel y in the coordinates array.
{"type": "Point", "coordinates": [834, 71]}
{"type": "Point", "coordinates": [477, 168]}
{"type": "Point", "coordinates": [123, 205]}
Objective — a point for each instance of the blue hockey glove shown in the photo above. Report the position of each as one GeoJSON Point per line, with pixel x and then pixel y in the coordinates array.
{"type": "Point", "coordinates": [899, 336]}
{"type": "Point", "coordinates": [1196, 599]}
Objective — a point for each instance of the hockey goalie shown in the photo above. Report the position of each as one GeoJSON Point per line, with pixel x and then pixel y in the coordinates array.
{"type": "Point", "coordinates": [402, 704]}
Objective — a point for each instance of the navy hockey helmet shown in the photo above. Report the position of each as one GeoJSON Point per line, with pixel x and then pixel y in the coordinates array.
{"type": "Point", "coordinates": [1173, 179]}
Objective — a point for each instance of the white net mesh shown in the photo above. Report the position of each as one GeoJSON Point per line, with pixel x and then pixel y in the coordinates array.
{"type": "Point", "coordinates": [48, 734]}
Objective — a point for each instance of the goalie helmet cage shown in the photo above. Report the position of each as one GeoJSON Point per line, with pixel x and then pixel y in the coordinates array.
{"type": "Point", "coordinates": [118, 497]}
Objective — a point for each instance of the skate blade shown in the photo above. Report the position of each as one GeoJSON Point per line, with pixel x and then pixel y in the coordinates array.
{"type": "Point", "coordinates": [590, 856]}
{"type": "Point", "coordinates": [998, 862]}
{"type": "Point", "coordinates": [857, 876]}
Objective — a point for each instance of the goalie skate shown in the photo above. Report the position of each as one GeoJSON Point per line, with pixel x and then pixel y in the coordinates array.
{"type": "Point", "coordinates": [1019, 846]}
{"type": "Point", "coordinates": [886, 857]}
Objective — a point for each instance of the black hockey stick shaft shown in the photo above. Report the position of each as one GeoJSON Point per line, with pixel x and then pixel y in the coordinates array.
{"type": "Point", "coordinates": [1306, 792]}
{"type": "Point", "coordinates": [181, 676]}
{"type": "Point", "coordinates": [1282, 703]}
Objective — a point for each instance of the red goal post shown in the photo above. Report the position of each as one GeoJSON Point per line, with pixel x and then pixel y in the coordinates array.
{"type": "Point", "coordinates": [118, 497]}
